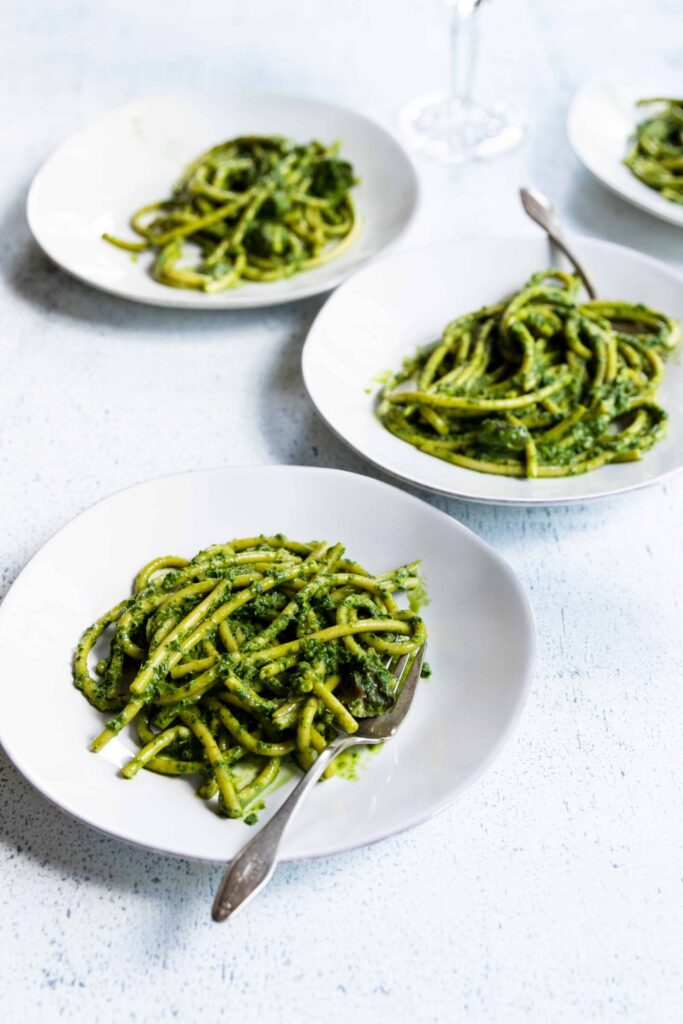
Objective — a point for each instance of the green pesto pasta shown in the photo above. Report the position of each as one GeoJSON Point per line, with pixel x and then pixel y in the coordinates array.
{"type": "Point", "coordinates": [539, 385]}
{"type": "Point", "coordinates": [253, 651]}
{"type": "Point", "coordinates": [657, 156]}
{"type": "Point", "coordinates": [255, 208]}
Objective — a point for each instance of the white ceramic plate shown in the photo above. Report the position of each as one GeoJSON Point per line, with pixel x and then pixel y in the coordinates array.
{"type": "Point", "coordinates": [96, 179]}
{"type": "Point", "coordinates": [601, 124]}
{"type": "Point", "coordinates": [481, 649]}
{"type": "Point", "coordinates": [385, 312]}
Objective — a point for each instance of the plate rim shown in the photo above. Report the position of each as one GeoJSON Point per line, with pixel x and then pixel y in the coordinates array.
{"type": "Point", "coordinates": [458, 494]}
{"type": "Point", "coordinates": [646, 203]}
{"type": "Point", "coordinates": [174, 300]}
{"type": "Point", "coordinates": [526, 676]}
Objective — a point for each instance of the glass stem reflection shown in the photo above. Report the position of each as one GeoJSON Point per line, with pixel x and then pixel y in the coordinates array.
{"type": "Point", "coordinates": [464, 32]}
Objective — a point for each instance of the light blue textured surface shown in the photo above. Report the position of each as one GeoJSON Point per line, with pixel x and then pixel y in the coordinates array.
{"type": "Point", "coordinates": [552, 890]}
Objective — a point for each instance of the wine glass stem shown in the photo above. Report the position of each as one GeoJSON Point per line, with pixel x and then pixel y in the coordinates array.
{"type": "Point", "coordinates": [464, 32]}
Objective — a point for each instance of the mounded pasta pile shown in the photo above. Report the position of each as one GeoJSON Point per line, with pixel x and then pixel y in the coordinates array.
{"type": "Point", "coordinates": [253, 650]}
{"type": "Point", "coordinates": [255, 208]}
{"type": "Point", "coordinates": [540, 385]}
{"type": "Point", "coordinates": [657, 156]}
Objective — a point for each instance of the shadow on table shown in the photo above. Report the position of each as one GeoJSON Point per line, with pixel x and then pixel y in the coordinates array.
{"type": "Point", "coordinates": [32, 827]}
{"type": "Point", "coordinates": [584, 203]}
{"type": "Point", "coordinates": [39, 282]}
{"type": "Point", "coordinates": [298, 436]}
{"type": "Point", "coordinates": [602, 214]}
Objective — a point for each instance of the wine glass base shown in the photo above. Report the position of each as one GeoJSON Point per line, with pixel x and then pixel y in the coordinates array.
{"type": "Point", "coordinates": [453, 131]}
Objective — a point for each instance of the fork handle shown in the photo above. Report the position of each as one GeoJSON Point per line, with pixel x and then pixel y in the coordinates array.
{"type": "Point", "coordinates": [253, 868]}
{"type": "Point", "coordinates": [558, 239]}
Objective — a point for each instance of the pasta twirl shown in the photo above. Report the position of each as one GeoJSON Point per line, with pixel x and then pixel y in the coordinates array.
{"type": "Point", "coordinates": [539, 385]}
{"type": "Point", "coordinates": [254, 650]}
{"type": "Point", "coordinates": [255, 208]}
{"type": "Point", "coordinates": [657, 156]}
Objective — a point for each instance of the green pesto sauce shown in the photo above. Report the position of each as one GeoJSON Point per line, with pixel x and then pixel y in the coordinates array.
{"type": "Point", "coordinates": [418, 597]}
{"type": "Point", "coordinates": [380, 378]}
{"type": "Point", "coordinates": [349, 762]}
{"type": "Point", "coordinates": [346, 764]}
{"type": "Point", "coordinates": [252, 817]}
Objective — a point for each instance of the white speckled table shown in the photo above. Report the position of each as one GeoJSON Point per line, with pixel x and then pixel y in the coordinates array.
{"type": "Point", "coordinates": [552, 890]}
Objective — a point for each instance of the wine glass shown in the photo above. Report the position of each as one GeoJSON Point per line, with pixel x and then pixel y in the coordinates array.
{"type": "Point", "coordinates": [453, 127]}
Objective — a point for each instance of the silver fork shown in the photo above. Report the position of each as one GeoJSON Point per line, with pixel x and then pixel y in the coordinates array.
{"type": "Point", "coordinates": [253, 868]}
{"type": "Point", "coordinates": [541, 210]}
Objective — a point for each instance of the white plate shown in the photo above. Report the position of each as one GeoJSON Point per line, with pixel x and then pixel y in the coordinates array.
{"type": "Point", "coordinates": [481, 648]}
{"type": "Point", "coordinates": [385, 312]}
{"type": "Point", "coordinates": [96, 179]}
{"type": "Point", "coordinates": [601, 129]}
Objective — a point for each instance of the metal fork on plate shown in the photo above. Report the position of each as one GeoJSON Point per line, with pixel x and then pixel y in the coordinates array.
{"type": "Point", "coordinates": [253, 868]}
